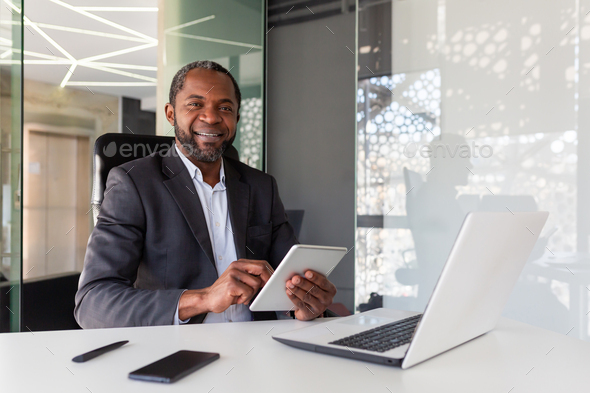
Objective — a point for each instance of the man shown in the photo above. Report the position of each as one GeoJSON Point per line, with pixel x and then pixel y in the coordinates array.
{"type": "Point", "coordinates": [190, 235]}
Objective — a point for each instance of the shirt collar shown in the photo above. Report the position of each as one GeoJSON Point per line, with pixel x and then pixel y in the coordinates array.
{"type": "Point", "coordinates": [194, 170]}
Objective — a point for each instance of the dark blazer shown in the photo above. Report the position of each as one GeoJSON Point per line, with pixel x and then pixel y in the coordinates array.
{"type": "Point", "coordinates": [151, 240]}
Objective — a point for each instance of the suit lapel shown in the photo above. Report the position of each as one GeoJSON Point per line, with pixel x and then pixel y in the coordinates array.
{"type": "Point", "coordinates": [185, 195]}
{"type": "Point", "coordinates": [238, 194]}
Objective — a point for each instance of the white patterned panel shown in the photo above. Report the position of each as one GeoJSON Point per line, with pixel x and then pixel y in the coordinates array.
{"type": "Point", "coordinates": [251, 132]}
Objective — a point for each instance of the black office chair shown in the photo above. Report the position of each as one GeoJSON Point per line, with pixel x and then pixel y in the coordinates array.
{"type": "Point", "coordinates": [47, 303]}
{"type": "Point", "coordinates": [111, 150]}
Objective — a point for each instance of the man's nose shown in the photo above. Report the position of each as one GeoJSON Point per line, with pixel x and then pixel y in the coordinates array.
{"type": "Point", "coordinates": [209, 115]}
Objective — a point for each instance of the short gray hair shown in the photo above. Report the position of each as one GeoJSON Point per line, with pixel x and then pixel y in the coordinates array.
{"type": "Point", "coordinates": [178, 80]}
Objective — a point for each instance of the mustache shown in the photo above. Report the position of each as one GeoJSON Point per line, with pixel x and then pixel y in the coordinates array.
{"type": "Point", "coordinates": [209, 130]}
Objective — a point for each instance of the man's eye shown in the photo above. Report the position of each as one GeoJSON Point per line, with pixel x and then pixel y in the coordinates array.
{"type": "Point", "coordinates": [227, 108]}
{"type": "Point", "coordinates": [194, 104]}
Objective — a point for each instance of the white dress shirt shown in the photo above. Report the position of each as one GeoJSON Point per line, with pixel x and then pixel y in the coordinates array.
{"type": "Point", "coordinates": [215, 208]}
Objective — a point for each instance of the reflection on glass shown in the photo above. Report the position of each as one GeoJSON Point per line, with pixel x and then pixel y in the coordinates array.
{"type": "Point", "coordinates": [10, 164]}
{"type": "Point", "coordinates": [231, 34]}
{"type": "Point", "coordinates": [498, 126]}
{"type": "Point", "coordinates": [86, 73]}
{"type": "Point", "coordinates": [397, 115]}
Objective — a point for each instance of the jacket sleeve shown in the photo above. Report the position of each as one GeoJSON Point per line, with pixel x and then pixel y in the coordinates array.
{"type": "Point", "coordinates": [106, 296]}
{"type": "Point", "coordinates": [283, 235]}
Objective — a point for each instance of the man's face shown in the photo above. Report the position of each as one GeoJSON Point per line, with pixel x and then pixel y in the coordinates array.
{"type": "Point", "coordinates": [205, 114]}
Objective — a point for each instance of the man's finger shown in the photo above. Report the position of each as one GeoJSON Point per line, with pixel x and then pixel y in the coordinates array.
{"type": "Point", "coordinates": [294, 299]}
{"type": "Point", "coordinates": [320, 280]}
{"type": "Point", "coordinates": [304, 311]}
{"type": "Point", "coordinates": [254, 267]}
{"type": "Point", "coordinates": [252, 281]}
{"type": "Point", "coordinates": [241, 292]}
{"type": "Point", "coordinates": [302, 307]}
{"type": "Point", "coordinates": [307, 298]}
{"type": "Point", "coordinates": [311, 289]}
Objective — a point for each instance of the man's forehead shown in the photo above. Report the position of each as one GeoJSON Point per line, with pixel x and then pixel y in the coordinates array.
{"type": "Point", "coordinates": [208, 80]}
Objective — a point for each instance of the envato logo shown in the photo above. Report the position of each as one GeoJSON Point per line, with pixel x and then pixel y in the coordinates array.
{"type": "Point", "coordinates": [442, 150]}
{"type": "Point", "coordinates": [138, 149]}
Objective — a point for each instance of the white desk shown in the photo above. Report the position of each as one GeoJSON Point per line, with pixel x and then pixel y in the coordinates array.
{"type": "Point", "coordinates": [513, 358]}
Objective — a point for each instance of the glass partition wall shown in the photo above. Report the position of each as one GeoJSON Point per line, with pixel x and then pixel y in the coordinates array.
{"type": "Point", "coordinates": [11, 52]}
{"type": "Point", "coordinates": [89, 71]}
{"type": "Point", "coordinates": [231, 33]}
{"type": "Point", "coordinates": [474, 106]}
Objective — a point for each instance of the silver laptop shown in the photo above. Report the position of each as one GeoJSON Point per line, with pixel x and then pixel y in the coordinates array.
{"type": "Point", "coordinates": [482, 268]}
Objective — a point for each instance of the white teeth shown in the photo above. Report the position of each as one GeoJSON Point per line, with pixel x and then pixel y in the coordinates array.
{"type": "Point", "coordinates": [200, 133]}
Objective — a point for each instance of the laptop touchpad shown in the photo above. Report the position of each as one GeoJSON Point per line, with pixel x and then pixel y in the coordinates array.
{"type": "Point", "coordinates": [366, 320]}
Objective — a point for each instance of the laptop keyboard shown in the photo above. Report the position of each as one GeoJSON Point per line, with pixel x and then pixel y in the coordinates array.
{"type": "Point", "coordinates": [382, 338]}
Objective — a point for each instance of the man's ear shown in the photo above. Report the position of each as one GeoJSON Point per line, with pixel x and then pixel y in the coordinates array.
{"type": "Point", "coordinates": [238, 118]}
{"type": "Point", "coordinates": [169, 110]}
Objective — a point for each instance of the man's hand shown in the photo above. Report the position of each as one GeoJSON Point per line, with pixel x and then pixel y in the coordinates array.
{"type": "Point", "coordinates": [237, 285]}
{"type": "Point", "coordinates": [311, 294]}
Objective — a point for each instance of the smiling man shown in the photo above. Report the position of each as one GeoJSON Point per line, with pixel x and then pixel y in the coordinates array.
{"type": "Point", "coordinates": [191, 236]}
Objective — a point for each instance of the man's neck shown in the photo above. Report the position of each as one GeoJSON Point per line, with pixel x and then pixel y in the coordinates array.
{"type": "Point", "coordinates": [209, 170]}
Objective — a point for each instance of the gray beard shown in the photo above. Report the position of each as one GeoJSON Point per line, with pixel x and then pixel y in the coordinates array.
{"type": "Point", "coordinates": [192, 148]}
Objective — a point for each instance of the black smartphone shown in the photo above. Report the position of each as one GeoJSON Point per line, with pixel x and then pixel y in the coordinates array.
{"type": "Point", "coordinates": [172, 368]}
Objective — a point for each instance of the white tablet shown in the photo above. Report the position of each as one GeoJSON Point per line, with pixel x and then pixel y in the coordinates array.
{"type": "Point", "coordinates": [299, 259]}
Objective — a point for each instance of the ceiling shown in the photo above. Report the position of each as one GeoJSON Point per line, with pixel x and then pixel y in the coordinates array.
{"type": "Point", "coordinates": [106, 46]}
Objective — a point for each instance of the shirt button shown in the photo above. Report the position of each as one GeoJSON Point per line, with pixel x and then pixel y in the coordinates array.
{"type": "Point", "coordinates": [220, 257]}
{"type": "Point", "coordinates": [216, 224]}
